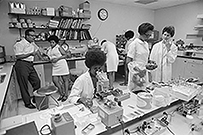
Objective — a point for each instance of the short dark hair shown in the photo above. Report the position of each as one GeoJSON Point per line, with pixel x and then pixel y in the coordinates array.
{"type": "Point", "coordinates": [129, 34]}
{"type": "Point", "coordinates": [53, 37]}
{"type": "Point", "coordinates": [169, 29]}
{"type": "Point", "coordinates": [95, 57]}
{"type": "Point", "coordinates": [27, 32]}
{"type": "Point", "coordinates": [144, 28]}
{"type": "Point", "coordinates": [103, 41]}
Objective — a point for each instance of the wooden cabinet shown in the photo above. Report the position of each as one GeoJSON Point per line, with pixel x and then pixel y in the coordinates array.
{"type": "Point", "coordinates": [40, 72]}
{"type": "Point", "coordinates": [10, 106]}
{"type": "Point", "coordinates": [185, 67]}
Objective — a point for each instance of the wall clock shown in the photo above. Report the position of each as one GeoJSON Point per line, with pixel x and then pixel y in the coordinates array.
{"type": "Point", "coordinates": [103, 14]}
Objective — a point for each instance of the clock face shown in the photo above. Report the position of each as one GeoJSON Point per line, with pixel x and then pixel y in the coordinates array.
{"type": "Point", "coordinates": [103, 14]}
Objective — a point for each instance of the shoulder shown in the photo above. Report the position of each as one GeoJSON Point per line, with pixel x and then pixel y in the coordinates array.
{"type": "Point", "coordinates": [174, 46]}
{"type": "Point", "coordinates": [20, 42]}
{"type": "Point", "coordinates": [157, 44]}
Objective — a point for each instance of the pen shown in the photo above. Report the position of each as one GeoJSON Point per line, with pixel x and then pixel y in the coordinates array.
{"type": "Point", "coordinates": [140, 111]}
{"type": "Point", "coordinates": [137, 112]}
{"type": "Point", "coordinates": [131, 106]}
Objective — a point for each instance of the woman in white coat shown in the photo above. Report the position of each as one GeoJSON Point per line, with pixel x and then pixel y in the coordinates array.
{"type": "Point", "coordinates": [164, 53]}
{"type": "Point", "coordinates": [112, 60]}
{"type": "Point", "coordinates": [137, 57]}
{"type": "Point", "coordinates": [84, 87]}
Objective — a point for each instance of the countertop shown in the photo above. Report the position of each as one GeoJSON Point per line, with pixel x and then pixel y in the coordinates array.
{"type": "Point", "coordinates": [83, 118]}
{"type": "Point", "coordinates": [68, 59]}
{"type": "Point", "coordinates": [182, 54]}
{"type": "Point", "coordinates": [7, 69]}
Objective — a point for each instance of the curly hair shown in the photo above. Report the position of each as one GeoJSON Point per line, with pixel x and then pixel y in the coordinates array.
{"type": "Point", "coordinates": [94, 57]}
{"type": "Point", "coordinates": [27, 32]}
{"type": "Point", "coordinates": [129, 34]}
{"type": "Point", "coordinates": [144, 28]}
{"type": "Point", "coordinates": [169, 29]}
{"type": "Point", "coordinates": [53, 37]}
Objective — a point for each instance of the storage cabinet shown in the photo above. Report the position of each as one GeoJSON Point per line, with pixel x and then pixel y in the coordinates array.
{"type": "Point", "coordinates": [194, 68]}
{"type": "Point", "coordinates": [178, 68]}
{"type": "Point", "coordinates": [185, 68]}
{"type": "Point", "coordinates": [10, 106]}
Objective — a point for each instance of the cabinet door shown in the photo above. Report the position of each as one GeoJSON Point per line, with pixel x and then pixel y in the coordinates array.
{"type": "Point", "coordinates": [178, 68]}
{"type": "Point", "coordinates": [10, 107]}
{"type": "Point", "coordinates": [194, 68]}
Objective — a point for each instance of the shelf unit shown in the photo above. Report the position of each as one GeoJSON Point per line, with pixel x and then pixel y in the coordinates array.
{"type": "Point", "coordinates": [66, 28]}
{"type": "Point", "coordinates": [198, 28]}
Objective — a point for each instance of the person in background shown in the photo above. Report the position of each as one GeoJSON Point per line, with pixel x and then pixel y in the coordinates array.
{"type": "Point", "coordinates": [137, 56]}
{"type": "Point", "coordinates": [112, 60]}
{"type": "Point", "coordinates": [25, 49]}
{"type": "Point", "coordinates": [60, 70]}
{"type": "Point", "coordinates": [164, 53]}
{"type": "Point", "coordinates": [85, 86]}
{"type": "Point", "coordinates": [129, 36]}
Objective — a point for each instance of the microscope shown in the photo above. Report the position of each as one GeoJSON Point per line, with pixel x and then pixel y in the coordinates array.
{"type": "Point", "coordinates": [103, 82]}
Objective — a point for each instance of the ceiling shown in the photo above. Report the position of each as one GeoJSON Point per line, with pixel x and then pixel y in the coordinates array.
{"type": "Point", "coordinates": [154, 5]}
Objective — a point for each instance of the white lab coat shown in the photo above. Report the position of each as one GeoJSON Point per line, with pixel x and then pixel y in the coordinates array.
{"type": "Point", "coordinates": [82, 87]}
{"type": "Point", "coordinates": [112, 59]}
{"type": "Point", "coordinates": [139, 52]}
{"type": "Point", "coordinates": [164, 61]}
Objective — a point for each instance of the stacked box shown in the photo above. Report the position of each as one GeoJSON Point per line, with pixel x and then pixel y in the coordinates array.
{"type": "Point", "coordinates": [85, 5]}
{"type": "Point", "coordinates": [17, 7]}
{"type": "Point", "coordinates": [84, 10]}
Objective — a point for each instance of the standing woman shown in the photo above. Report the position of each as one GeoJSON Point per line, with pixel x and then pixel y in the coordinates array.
{"type": "Point", "coordinates": [137, 57]}
{"type": "Point", "coordinates": [112, 60]}
{"type": "Point", "coordinates": [164, 54]}
{"type": "Point", "coordinates": [129, 36]}
{"type": "Point", "coordinates": [60, 70]}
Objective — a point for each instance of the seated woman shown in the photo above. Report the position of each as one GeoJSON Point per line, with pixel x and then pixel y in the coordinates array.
{"type": "Point", "coordinates": [84, 87]}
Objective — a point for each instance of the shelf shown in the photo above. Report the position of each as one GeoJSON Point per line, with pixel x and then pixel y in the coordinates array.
{"type": "Point", "coordinates": [51, 28]}
{"type": "Point", "coordinates": [198, 27]}
{"type": "Point", "coordinates": [200, 16]}
{"type": "Point", "coordinates": [65, 40]}
{"type": "Point", "coordinates": [49, 16]}
{"type": "Point", "coordinates": [194, 35]}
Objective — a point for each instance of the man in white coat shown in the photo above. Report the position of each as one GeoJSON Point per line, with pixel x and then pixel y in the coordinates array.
{"type": "Point", "coordinates": [164, 53]}
{"type": "Point", "coordinates": [84, 87]}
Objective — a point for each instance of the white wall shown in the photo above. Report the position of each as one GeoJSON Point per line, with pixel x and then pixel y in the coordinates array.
{"type": "Point", "coordinates": [121, 18]}
{"type": "Point", "coordinates": [184, 18]}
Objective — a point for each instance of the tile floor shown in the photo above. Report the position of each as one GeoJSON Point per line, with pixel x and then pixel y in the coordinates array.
{"type": "Point", "coordinates": [23, 110]}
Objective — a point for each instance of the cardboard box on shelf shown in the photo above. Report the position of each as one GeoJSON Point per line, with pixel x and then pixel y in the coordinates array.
{"type": "Point", "coordinates": [50, 11]}
{"type": "Point", "coordinates": [85, 5]}
{"type": "Point", "coordinates": [17, 7]}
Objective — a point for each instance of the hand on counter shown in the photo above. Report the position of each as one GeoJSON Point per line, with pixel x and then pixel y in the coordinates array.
{"type": "Point", "coordinates": [86, 102]}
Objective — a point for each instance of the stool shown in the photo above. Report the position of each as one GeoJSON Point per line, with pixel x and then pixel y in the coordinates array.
{"type": "Point", "coordinates": [75, 73]}
{"type": "Point", "coordinates": [42, 97]}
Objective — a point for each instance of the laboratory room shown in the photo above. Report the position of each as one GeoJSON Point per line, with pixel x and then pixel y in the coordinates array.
{"type": "Point", "coordinates": [101, 67]}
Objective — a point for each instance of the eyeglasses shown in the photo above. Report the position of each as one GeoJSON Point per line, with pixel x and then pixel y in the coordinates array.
{"type": "Point", "coordinates": [33, 36]}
